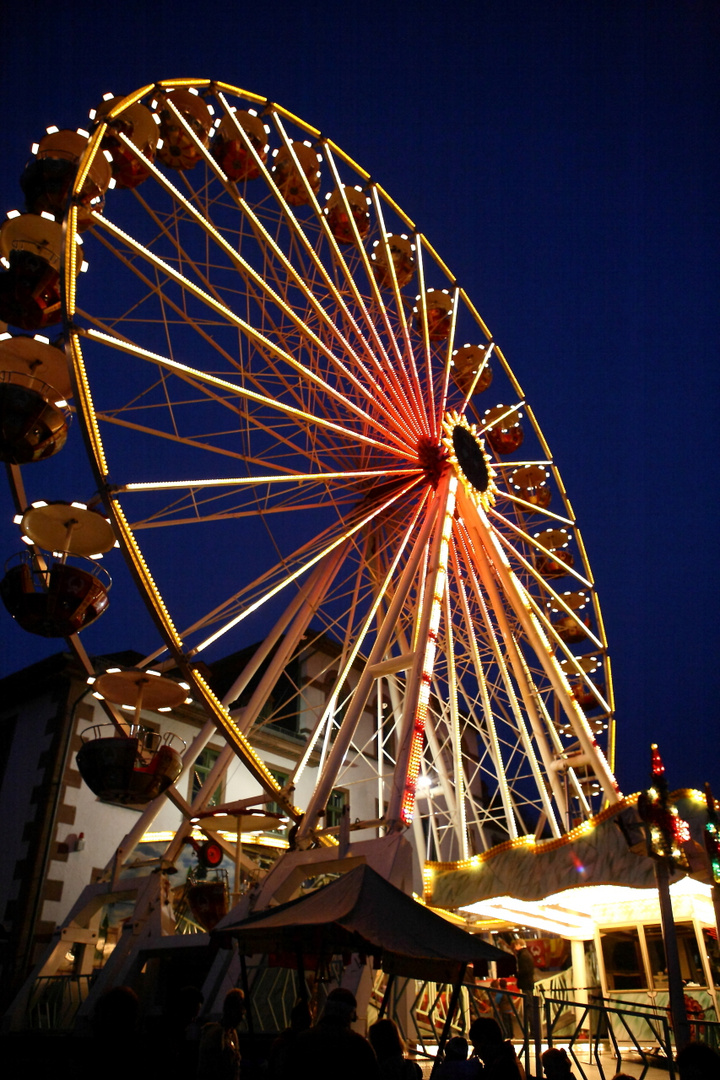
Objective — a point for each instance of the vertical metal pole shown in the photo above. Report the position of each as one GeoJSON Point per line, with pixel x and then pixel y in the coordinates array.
{"type": "Point", "coordinates": [449, 1018]}
{"type": "Point", "coordinates": [246, 992]}
{"type": "Point", "coordinates": [302, 993]}
{"type": "Point", "coordinates": [537, 1033]}
{"type": "Point", "coordinates": [681, 1027]}
{"type": "Point", "coordinates": [386, 996]}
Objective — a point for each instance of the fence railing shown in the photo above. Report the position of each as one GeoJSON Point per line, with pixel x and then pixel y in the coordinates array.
{"type": "Point", "coordinates": [594, 1029]}
{"type": "Point", "coordinates": [55, 1000]}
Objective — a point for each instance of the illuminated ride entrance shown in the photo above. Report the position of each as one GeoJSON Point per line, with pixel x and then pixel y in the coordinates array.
{"type": "Point", "coordinates": [302, 431]}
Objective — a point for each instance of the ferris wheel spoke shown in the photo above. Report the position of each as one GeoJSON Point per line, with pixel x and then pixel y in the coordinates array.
{"type": "Point", "coordinates": [473, 386]}
{"type": "Point", "coordinates": [531, 508]}
{"type": "Point", "coordinates": [518, 600]}
{"type": "Point", "coordinates": [355, 641]}
{"type": "Point", "coordinates": [295, 574]}
{"type": "Point", "coordinates": [244, 481]}
{"type": "Point", "coordinates": [263, 290]}
{"type": "Point", "coordinates": [376, 663]}
{"type": "Point", "coordinates": [384, 372]}
{"type": "Point", "coordinates": [377, 345]}
{"type": "Point", "coordinates": [447, 363]}
{"type": "Point", "coordinates": [187, 441]}
{"type": "Point", "coordinates": [407, 378]}
{"type": "Point", "coordinates": [400, 351]}
{"type": "Point", "coordinates": [509, 411]}
{"type": "Point", "coordinates": [534, 543]}
{"type": "Point", "coordinates": [254, 592]}
{"type": "Point", "coordinates": [423, 315]}
{"type": "Point", "coordinates": [203, 378]}
{"type": "Point", "coordinates": [260, 340]}
{"type": "Point", "coordinates": [375, 381]}
{"type": "Point", "coordinates": [266, 686]}
{"type": "Point", "coordinates": [454, 725]}
{"type": "Point", "coordinates": [485, 583]}
{"type": "Point", "coordinates": [453, 797]}
{"type": "Point", "coordinates": [487, 712]}
{"type": "Point", "coordinates": [431, 589]}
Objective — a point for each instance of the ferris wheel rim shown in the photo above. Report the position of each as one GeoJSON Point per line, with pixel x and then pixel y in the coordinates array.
{"type": "Point", "coordinates": [411, 389]}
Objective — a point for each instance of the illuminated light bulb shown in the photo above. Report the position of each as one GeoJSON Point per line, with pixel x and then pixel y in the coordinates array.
{"type": "Point", "coordinates": [46, 215]}
{"type": "Point", "coordinates": [51, 130]}
{"type": "Point", "coordinates": [108, 97]}
{"type": "Point", "coordinates": [92, 114]}
{"type": "Point", "coordinates": [85, 134]}
{"type": "Point", "coordinates": [98, 696]}
{"type": "Point", "coordinates": [37, 505]}
{"type": "Point", "coordinates": [112, 183]}
{"type": "Point", "coordinates": [84, 266]}
{"type": "Point", "coordinates": [112, 670]}
{"type": "Point", "coordinates": [17, 519]}
{"type": "Point", "coordinates": [13, 213]}
{"type": "Point", "coordinates": [35, 147]}
{"type": "Point", "coordinates": [91, 680]}
{"type": "Point", "coordinates": [26, 540]}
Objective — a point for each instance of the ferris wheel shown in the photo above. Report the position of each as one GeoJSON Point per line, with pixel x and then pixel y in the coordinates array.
{"type": "Point", "coordinates": [308, 442]}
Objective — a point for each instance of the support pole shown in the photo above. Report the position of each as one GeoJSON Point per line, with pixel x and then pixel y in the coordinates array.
{"type": "Point", "coordinates": [449, 1018]}
{"type": "Point", "coordinates": [680, 1024]}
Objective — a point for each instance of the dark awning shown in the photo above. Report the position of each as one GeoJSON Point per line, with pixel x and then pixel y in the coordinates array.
{"type": "Point", "coordinates": [362, 912]}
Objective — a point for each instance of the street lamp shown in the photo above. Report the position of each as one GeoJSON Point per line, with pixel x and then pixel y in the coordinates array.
{"type": "Point", "coordinates": [666, 832]}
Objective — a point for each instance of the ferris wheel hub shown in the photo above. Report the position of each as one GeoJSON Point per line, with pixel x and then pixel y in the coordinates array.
{"type": "Point", "coordinates": [433, 459]}
{"type": "Point", "coordinates": [465, 449]}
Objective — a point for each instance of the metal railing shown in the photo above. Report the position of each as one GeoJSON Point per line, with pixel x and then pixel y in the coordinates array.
{"type": "Point", "coordinates": [593, 1030]}
{"type": "Point", "coordinates": [55, 1000]}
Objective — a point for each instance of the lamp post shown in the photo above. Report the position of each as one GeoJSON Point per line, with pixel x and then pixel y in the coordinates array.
{"type": "Point", "coordinates": [665, 833]}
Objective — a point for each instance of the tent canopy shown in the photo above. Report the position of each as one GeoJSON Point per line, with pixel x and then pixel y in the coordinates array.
{"type": "Point", "coordinates": [362, 912]}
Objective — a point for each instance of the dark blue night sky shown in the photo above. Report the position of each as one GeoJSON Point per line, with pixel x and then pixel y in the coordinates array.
{"type": "Point", "coordinates": [562, 158]}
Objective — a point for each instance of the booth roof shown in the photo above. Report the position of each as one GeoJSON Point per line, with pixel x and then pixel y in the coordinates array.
{"type": "Point", "coordinates": [362, 912]}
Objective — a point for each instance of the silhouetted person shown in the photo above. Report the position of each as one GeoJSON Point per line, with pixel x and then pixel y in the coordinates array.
{"type": "Point", "coordinates": [177, 1037]}
{"type": "Point", "coordinates": [497, 1054]}
{"type": "Point", "coordinates": [698, 1061]}
{"type": "Point", "coordinates": [388, 1046]}
{"type": "Point", "coordinates": [116, 1041]}
{"type": "Point", "coordinates": [219, 1055]}
{"type": "Point", "coordinates": [331, 1049]}
{"type": "Point", "coordinates": [455, 1064]}
{"type": "Point", "coordinates": [556, 1064]}
{"type": "Point", "coordinates": [282, 1054]}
